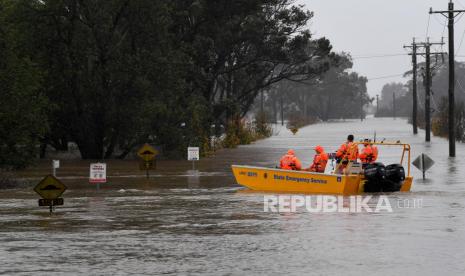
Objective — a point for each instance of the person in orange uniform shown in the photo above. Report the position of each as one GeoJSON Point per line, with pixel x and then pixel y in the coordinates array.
{"type": "Point", "coordinates": [319, 161]}
{"type": "Point", "coordinates": [346, 152]}
{"type": "Point", "coordinates": [290, 161]}
{"type": "Point", "coordinates": [369, 153]}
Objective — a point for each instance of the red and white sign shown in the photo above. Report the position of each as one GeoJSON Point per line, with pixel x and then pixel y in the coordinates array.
{"type": "Point", "coordinates": [98, 173]}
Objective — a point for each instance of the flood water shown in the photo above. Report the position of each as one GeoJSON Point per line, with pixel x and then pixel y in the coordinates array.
{"type": "Point", "coordinates": [179, 224]}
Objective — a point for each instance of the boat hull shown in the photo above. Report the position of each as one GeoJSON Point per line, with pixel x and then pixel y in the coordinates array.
{"type": "Point", "coordinates": [287, 181]}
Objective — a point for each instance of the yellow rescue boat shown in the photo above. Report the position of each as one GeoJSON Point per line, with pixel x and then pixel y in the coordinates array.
{"type": "Point", "coordinates": [354, 180]}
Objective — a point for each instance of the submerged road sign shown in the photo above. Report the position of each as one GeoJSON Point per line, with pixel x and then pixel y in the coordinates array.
{"type": "Point", "coordinates": [193, 153]}
{"type": "Point", "coordinates": [50, 188]}
{"type": "Point", "coordinates": [98, 173]}
{"type": "Point", "coordinates": [147, 152]}
{"type": "Point", "coordinates": [51, 202]}
{"type": "Point", "coordinates": [423, 162]}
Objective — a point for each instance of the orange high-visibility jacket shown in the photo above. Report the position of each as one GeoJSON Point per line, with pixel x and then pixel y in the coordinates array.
{"type": "Point", "coordinates": [290, 162]}
{"type": "Point", "coordinates": [319, 162]}
{"type": "Point", "coordinates": [369, 154]}
{"type": "Point", "coordinates": [348, 151]}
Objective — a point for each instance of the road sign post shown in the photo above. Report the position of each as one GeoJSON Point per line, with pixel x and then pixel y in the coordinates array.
{"type": "Point", "coordinates": [147, 153]}
{"type": "Point", "coordinates": [193, 154]}
{"type": "Point", "coordinates": [423, 162]}
{"type": "Point", "coordinates": [423, 165]}
{"type": "Point", "coordinates": [50, 189]}
{"type": "Point", "coordinates": [55, 166]}
{"type": "Point", "coordinates": [98, 174]}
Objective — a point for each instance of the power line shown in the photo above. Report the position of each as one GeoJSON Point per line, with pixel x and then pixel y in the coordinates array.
{"type": "Point", "coordinates": [378, 56]}
{"type": "Point", "coordinates": [460, 44]}
{"type": "Point", "coordinates": [439, 22]}
{"type": "Point", "coordinates": [458, 19]}
{"type": "Point", "coordinates": [460, 85]}
{"type": "Point", "coordinates": [385, 77]}
{"type": "Point", "coordinates": [444, 29]}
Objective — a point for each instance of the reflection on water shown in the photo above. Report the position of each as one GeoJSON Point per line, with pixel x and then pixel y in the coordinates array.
{"type": "Point", "coordinates": [184, 223]}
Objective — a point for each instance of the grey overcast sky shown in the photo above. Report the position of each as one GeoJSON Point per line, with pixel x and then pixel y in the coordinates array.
{"type": "Point", "coordinates": [368, 28]}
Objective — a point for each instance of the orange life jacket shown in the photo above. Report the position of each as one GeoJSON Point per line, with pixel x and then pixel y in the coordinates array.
{"type": "Point", "coordinates": [319, 162]}
{"type": "Point", "coordinates": [369, 154]}
{"type": "Point", "coordinates": [290, 162]}
{"type": "Point", "coordinates": [348, 151]}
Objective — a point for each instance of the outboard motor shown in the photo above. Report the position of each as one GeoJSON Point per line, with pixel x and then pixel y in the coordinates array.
{"type": "Point", "coordinates": [375, 175]}
{"type": "Point", "coordinates": [375, 171]}
{"type": "Point", "coordinates": [395, 176]}
{"type": "Point", "coordinates": [395, 172]}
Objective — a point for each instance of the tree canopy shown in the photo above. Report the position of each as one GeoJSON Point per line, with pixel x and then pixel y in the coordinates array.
{"type": "Point", "coordinates": [110, 75]}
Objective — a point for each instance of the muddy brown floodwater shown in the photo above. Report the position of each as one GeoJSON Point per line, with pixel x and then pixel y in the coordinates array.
{"type": "Point", "coordinates": [178, 224]}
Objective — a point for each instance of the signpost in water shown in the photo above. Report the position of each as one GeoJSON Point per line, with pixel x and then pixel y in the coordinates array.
{"type": "Point", "coordinates": [423, 162]}
{"type": "Point", "coordinates": [193, 154]}
{"type": "Point", "coordinates": [147, 153]}
{"type": "Point", "coordinates": [50, 189]}
{"type": "Point", "coordinates": [55, 166]}
{"type": "Point", "coordinates": [98, 173]}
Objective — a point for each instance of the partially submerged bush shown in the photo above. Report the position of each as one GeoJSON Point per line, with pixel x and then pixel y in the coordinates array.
{"type": "Point", "coordinates": [243, 132]}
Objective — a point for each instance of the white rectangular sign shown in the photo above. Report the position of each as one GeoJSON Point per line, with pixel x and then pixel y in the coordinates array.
{"type": "Point", "coordinates": [98, 173]}
{"type": "Point", "coordinates": [56, 164]}
{"type": "Point", "coordinates": [193, 153]}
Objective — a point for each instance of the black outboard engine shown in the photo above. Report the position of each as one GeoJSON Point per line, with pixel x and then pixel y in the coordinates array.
{"type": "Point", "coordinates": [375, 175]}
{"type": "Point", "coordinates": [395, 172]}
{"type": "Point", "coordinates": [395, 176]}
{"type": "Point", "coordinates": [383, 179]}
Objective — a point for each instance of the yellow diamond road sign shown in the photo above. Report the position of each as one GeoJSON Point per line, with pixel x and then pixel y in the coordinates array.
{"type": "Point", "coordinates": [147, 152]}
{"type": "Point", "coordinates": [50, 187]}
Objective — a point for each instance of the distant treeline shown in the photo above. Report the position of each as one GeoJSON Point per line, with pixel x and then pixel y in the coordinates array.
{"type": "Point", "coordinates": [111, 75]}
{"type": "Point", "coordinates": [337, 94]}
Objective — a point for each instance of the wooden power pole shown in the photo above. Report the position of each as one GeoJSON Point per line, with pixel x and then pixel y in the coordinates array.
{"type": "Point", "coordinates": [414, 86]}
{"type": "Point", "coordinates": [450, 14]}
{"type": "Point", "coordinates": [427, 81]}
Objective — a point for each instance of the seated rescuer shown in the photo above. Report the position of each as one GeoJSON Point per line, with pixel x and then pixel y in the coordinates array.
{"type": "Point", "coordinates": [369, 153]}
{"type": "Point", "coordinates": [290, 161]}
{"type": "Point", "coordinates": [319, 161]}
{"type": "Point", "coordinates": [346, 152]}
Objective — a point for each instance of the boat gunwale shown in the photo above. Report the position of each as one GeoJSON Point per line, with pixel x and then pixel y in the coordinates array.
{"type": "Point", "coordinates": [287, 171]}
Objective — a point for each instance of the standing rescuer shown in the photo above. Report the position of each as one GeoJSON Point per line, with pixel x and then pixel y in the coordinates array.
{"type": "Point", "coordinates": [369, 153]}
{"type": "Point", "coordinates": [319, 161]}
{"type": "Point", "coordinates": [290, 162]}
{"type": "Point", "coordinates": [347, 152]}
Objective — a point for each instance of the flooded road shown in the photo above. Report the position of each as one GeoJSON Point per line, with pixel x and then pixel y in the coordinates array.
{"type": "Point", "coordinates": [179, 224]}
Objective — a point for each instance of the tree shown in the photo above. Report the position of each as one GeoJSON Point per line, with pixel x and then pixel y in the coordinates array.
{"type": "Point", "coordinates": [334, 94]}
{"type": "Point", "coordinates": [23, 105]}
{"type": "Point", "coordinates": [121, 73]}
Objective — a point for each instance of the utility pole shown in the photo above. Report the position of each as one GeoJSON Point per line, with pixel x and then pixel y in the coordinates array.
{"type": "Point", "coordinates": [414, 86]}
{"type": "Point", "coordinates": [377, 103]}
{"type": "Point", "coordinates": [427, 81]}
{"type": "Point", "coordinates": [282, 111]}
{"type": "Point", "coordinates": [450, 14]}
{"type": "Point", "coordinates": [428, 92]}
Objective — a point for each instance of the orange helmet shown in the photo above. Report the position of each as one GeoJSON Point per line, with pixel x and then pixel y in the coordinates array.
{"type": "Point", "coordinates": [291, 152]}
{"type": "Point", "coordinates": [319, 149]}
